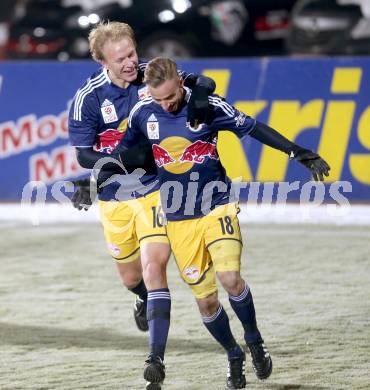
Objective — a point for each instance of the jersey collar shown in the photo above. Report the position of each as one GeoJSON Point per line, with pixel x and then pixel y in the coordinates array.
{"type": "Point", "coordinates": [105, 72]}
{"type": "Point", "coordinates": [187, 93]}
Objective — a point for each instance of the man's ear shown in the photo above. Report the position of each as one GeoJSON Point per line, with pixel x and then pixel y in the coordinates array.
{"type": "Point", "coordinates": [181, 82]}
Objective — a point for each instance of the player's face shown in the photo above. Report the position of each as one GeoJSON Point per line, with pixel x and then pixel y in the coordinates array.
{"type": "Point", "coordinates": [169, 95]}
{"type": "Point", "coordinates": [121, 61]}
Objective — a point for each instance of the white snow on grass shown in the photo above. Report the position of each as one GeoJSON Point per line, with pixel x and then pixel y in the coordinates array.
{"type": "Point", "coordinates": [37, 214]}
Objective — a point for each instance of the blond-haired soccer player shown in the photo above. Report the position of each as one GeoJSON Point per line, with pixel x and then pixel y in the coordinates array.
{"type": "Point", "coordinates": [202, 225]}
{"type": "Point", "coordinates": [132, 222]}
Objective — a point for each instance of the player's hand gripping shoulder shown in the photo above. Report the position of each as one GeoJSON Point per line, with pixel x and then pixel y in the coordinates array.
{"type": "Point", "coordinates": [311, 160]}
{"type": "Point", "coordinates": [199, 110]}
{"type": "Point", "coordinates": [84, 195]}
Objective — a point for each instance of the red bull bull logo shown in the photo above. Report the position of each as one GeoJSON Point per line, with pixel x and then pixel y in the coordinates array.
{"type": "Point", "coordinates": [178, 155]}
{"type": "Point", "coordinates": [198, 151]}
{"type": "Point", "coordinates": [191, 272]}
{"type": "Point", "coordinates": [108, 140]}
{"type": "Point", "coordinates": [161, 156]}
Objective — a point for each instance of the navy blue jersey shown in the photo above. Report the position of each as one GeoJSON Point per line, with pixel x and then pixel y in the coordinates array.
{"type": "Point", "coordinates": [192, 178]}
{"type": "Point", "coordinates": [98, 118]}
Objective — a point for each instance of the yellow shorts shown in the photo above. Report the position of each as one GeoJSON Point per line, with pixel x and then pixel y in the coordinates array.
{"type": "Point", "coordinates": [206, 245]}
{"type": "Point", "coordinates": [128, 224]}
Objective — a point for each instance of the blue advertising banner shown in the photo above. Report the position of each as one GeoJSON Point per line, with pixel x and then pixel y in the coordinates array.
{"type": "Point", "coordinates": [322, 104]}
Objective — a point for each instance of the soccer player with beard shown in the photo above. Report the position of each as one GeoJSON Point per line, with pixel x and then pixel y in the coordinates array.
{"type": "Point", "coordinates": [196, 196]}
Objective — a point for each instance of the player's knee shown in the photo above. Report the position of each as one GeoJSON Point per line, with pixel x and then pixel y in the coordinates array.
{"type": "Point", "coordinates": [131, 279]}
{"type": "Point", "coordinates": [157, 252]}
{"type": "Point", "coordinates": [208, 305]}
{"type": "Point", "coordinates": [231, 282]}
{"type": "Point", "coordinates": [154, 270]}
{"type": "Point", "coordinates": [153, 267]}
{"type": "Point", "coordinates": [162, 259]}
{"type": "Point", "coordinates": [130, 274]}
{"type": "Point", "coordinates": [131, 283]}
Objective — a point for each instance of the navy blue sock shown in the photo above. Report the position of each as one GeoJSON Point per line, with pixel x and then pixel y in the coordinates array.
{"type": "Point", "coordinates": [158, 314]}
{"type": "Point", "coordinates": [140, 290]}
{"type": "Point", "coordinates": [219, 326]}
{"type": "Point", "coordinates": [244, 308]}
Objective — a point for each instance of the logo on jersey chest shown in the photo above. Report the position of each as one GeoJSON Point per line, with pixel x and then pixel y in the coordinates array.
{"type": "Point", "coordinates": [178, 155]}
{"type": "Point", "coordinates": [108, 111]}
{"type": "Point", "coordinates": [152, 127]}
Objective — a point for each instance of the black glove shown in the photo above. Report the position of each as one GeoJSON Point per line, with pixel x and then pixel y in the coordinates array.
{"type": "Point", "coordinates": [199, 109]}
{"type": "Point", "coordinates": [83, 198]}
{"type": "Point", "coordinates": [318, 166]}
{"type": "Point", "coordinates": [139, 156]}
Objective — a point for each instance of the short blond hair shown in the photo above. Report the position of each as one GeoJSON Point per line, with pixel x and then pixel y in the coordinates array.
{"type": "Point", "coordinates": [105, 31]}
{"type": "Point", "coordinates": [159, 70]}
